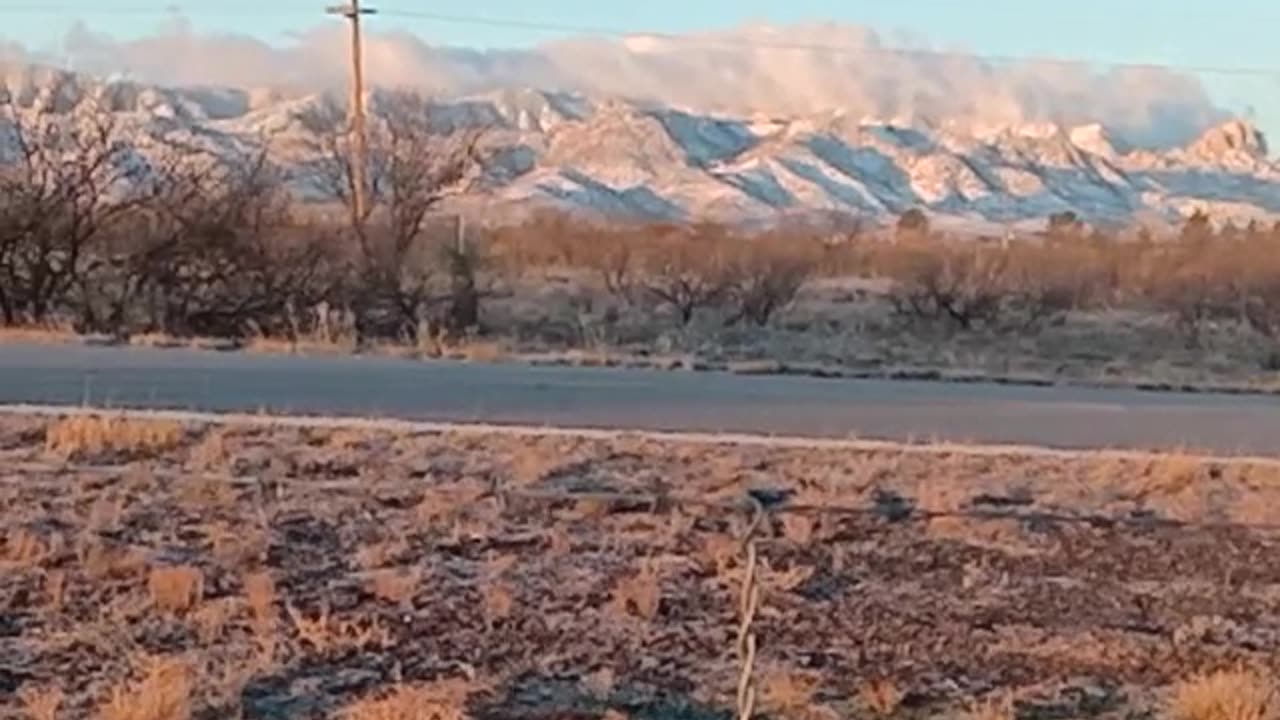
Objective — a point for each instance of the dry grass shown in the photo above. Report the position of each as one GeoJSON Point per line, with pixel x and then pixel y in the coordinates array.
{"type": "Point", "coordinates": [38, 334]}
{"type": "Point", "coordinates": [1225, 695]}
{"type": "Point", "coordinates": [326, 634]}
{"type": "Point", "coordinates": [211, 453]}
{"type": "Point", "coordinates": [799, 529]}
{"type": "Point", "coordinates": [639, 594]}
{"type": "Point", "coordinates": [395, 586]}
{"type": "Point", "coordinates": [41, 703]}
{"type": "Point", "coordinates": [86, 436]}
{"type": "Point", "coordinates": [24, 549]}
{"type": "Point", "coordinates": [473, 350]}
{"type": "Point", "coordinates": [164, 693]}
{"type": "Point", "coordinates": [212, 617]}
{"type": "Point", "coordinates": [438, 701]}
{"type": "Point", "coordinates": [787, 693]}
{"type": "Point", "coordinates": [176, 589]}
{"type": "Point", "coordinates": [55, 588]}
{"type": "Point", "coordinates": [260, 592]}
{"type": "Point", "coordinates": [101, 562]}
{"type": "Point", "coordinates": [882, 696]}
{"type": "Point", "coordinates": [997, 707]}
{"type": "Point", "coordinates": [300, 346]}
{"type": "Point", "coordinates": [498, 601]}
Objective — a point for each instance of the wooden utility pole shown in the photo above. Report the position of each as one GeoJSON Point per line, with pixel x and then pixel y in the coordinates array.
{"type": "Point", "coordinates": [359, 140]}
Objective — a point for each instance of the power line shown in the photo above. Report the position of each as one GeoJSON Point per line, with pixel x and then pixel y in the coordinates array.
{"type": "Point", "coordinates": [730, 42]}
{"type": "Point", "coordinates": [155, 10]}
{"type": "Point", "coordinates": [686, 40]}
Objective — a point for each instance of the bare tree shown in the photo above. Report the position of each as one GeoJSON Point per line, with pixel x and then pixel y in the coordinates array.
{"type": "Point", "coordinates": [238, 259]}
{"type": "Point", "coordinates": [414, 164]}
{"type": "Point", "coordinates": [66, 178]}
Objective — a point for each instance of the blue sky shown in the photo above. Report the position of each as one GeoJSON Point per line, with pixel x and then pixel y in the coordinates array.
{"type": "Point", "coordinates": [1183, 32]}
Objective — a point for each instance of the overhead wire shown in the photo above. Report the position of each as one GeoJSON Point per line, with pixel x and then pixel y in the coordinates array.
{"type": "Point", "coordinates": [691, 40]}
{"type": "Point", "coordinates": [712, 41]}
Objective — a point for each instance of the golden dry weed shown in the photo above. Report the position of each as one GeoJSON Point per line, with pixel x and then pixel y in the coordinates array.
{"type": "Point", "coordinates": [212, 617]}
{"type": "Point", "coordinates": [55, 588]}
{"type": "Point", "coordinates": [164, 693]}
{"type": "Point", "coordinates": [1171, 473]}
{"type": "Point", "coordinates": [200, 493]}
{"type": "Point", "coordinates": [24, 549]}
{"type": "Point", "coordinates": [1225, 695]}
{"type": "Point", "coordinates": [788, 694]}
{"type": "Point", "coordinates": [176, 589]}
{"type": "Point", "coordinates": [381, 554]}
{"type": "Point", "coordinates": [326, 634]}
{"type": "Point", "coordinates": [41, 703]}
{"type": "Point", "coordinates": [260, 593]}
{"type": "Point", "coordinates": [882, 696]}
{"type": "Point", "coordinates": [639, 594]}
{"type": "Point", "coordinates": [784, 580]}
{"type": "Point", "coordinates": [395, 586]}
{"type": "Point", "coordinates": [438, 701]}
{"type": "Point", "coordinates": [211, 452]}
{"type": "Point", "coordinates": [997, 707]}
{"type": "Point", "coordinates": [235, 547]}
{"type": "Point", "coordinates": [498, 602]}
{"type": "Point", "coordinates": [45, 333]}
{"type": "Point", "coordinates": [105, 513]}
{"type": "Point", "coordinates": [101, 562]}
{"type": "Point", "coordinates": [798, 529]}
{"type": "Point", "coordinates": [86, 436]}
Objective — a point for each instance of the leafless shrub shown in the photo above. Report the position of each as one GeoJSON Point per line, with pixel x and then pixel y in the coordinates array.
{"type": "Point", "coordinates": [1189, 279]}
{"type": "Point", "coordinates": [688, 271]}
{"type": "Point", "coordinates": [767, 274]}
{"type": "Point", "coordinates": [937, 279]}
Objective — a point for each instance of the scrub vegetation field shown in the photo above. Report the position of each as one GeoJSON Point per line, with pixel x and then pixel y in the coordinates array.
{"type": "Point", "coordinates": [186, 244]}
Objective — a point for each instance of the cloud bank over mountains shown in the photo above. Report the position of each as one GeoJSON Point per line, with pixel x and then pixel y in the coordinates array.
{"type": "Point", "coordinates": [784, 71]}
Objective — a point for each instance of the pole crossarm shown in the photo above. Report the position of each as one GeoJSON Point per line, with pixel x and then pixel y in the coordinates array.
{"type": "Point", "coordinates": [350, 11]}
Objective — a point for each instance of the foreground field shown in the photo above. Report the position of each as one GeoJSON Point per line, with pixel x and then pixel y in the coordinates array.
{"type": "Point", "coordinates": [156, 571]}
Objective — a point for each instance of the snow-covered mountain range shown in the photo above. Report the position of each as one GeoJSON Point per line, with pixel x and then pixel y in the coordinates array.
{"type": "Point", "coordinates": [642, 158]}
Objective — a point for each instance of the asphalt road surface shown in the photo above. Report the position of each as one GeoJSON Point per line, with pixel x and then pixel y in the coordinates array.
{"type": "Point", "coordinates": [635, 399]}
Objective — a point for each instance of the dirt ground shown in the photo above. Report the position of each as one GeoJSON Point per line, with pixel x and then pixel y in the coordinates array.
{"type": "Point", "coordinates": [155, 571]}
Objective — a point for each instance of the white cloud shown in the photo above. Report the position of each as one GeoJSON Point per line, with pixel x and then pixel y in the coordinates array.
{"type": "Point", "coordinates": [769, 69]}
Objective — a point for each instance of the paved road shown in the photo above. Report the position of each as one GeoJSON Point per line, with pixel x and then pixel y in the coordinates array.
{"type": "Point", "coordinates": [650, 400]}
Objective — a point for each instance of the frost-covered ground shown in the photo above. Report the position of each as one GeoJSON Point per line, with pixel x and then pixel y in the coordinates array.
{"type": "Point", "coordinates": [246, 570]}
